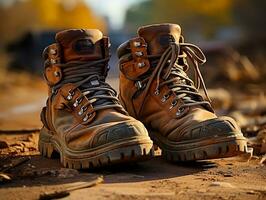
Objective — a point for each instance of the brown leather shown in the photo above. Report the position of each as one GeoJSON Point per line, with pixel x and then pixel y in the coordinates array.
{"type": "Point", "coordinates": [62, 103]}
{"type": "Point", "coordinates": [70, 115]}
{"type": "Point", "coordinates": [158, 36]}
{"type": "Point", "coordinates": [53, 73]}
{"type": "Point", "coordinates": [152, 108]}
{"type": "Point", "coordinates": [140, 63]}
{"type": "Point", "coordinates": [80, 44]}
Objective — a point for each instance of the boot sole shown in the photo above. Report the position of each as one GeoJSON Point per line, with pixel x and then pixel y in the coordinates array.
{"type": "Point", "coordinates": [122, 151]}
{"type": "Point", "coordinates": [209, 148]}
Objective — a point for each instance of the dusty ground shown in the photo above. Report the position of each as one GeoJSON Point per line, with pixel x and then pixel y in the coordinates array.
{"type": "Point", "coordinates": [235, 178]}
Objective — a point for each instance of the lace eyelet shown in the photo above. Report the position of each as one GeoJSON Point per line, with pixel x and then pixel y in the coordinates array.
{"type": "Point", "coordinates": [82, 109]}
{"type": "Point", "coordinates": [157, 92]}
{"type": "Point", "coordinates": [137, 44]}
{"type": "Point", "coordinates": [139, 53]}
{"type": "Point", "coordinates": [174, 103]}
{"type": "Point", "coordinates": [53, 51]}
{"type": "Point", "coordinates": [80, 112]}
{"type": "Point", "coordinates": [179, 111]}
{"type": "Point", "coordinates": [70, 95]}
{"type": "Point", "coordinates": [139, 85]}
{"type": "Point", "coordinates": [141, 64]}
{"type": "Point", "coordinates": [52, 61]}
{"type": "Point", "coordinates": [77, 102]}
{"type": "Point", "coordinates": [56, 74]}
{"type": "Point", "coordinates": [165, 97]}
{"type": "Point", "coordinates": [54, 91]}
{"type": "Point", "coordinates": [86, 117]}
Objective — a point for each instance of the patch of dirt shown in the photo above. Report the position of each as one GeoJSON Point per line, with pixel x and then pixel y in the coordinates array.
{"type": "Point", "coordinates": [238, 178]}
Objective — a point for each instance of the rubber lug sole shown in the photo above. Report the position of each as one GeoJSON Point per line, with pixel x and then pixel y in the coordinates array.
{"type": "Point", "coordinates": [125, 154]}
{"type": "Point", "coordinates": [212, 151]}
{"type": "Point", "coordinates": [207, 148]}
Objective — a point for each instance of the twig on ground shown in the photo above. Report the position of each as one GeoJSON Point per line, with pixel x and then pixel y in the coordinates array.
{"type": "Point", "coordinates": [65, 192]}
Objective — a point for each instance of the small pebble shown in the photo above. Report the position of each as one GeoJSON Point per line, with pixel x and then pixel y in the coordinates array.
{"type": "Point", "coordinates": [221, 184]}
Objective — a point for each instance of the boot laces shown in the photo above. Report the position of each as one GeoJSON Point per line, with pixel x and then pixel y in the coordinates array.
{"type": "Point", "coordinates": [171, 70]}
{"type": "Point", "coordinates": [89, 78]}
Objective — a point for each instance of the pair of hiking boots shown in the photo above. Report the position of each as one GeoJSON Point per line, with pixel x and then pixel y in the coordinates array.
{"type": "Point", "coordinates": [89, 126]}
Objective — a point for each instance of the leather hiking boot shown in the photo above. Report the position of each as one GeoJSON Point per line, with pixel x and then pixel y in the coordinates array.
{"type": "Point", "coordinates": [155, 89]}
{"type": "Point", "coordinates": [83, 119]}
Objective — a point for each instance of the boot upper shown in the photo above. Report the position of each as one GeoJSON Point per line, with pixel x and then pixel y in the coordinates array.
{"type": "Point", "coordinates": [154, 66]}
{"type": "Point", "coordinates": [82, 110]}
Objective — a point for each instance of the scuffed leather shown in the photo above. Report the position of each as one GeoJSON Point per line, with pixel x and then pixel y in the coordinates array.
{"type": "Point", "coordinates": [60, 116]}
{"type": "Point", "coordinates": [192, 123]}
{"type": "Point", "coordinates": [68, 38]}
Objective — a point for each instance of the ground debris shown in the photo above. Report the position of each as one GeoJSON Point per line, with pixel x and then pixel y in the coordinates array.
{"type": "Point", "coordinates": [254, 106]}
{"type": "Point", "coordinates": [4, 178]}
{"type": "Point", "coordinates": [263, 160]}
{"type": "Point", "coordinates": [222, 184]}
{"type": "Point", "coordinates": [19, 143]}
{"type": "Point", "coordinates": [3, 144]}
{"type": "Point", "coordinates": [65, 192]}
{"type": "Point", "coordinates": [258, 143]}
{"type": "Point", "coordinates": [249, 111]}
{"type": "Point", "coordinates": [228, 175]}
{"type": "Point", "coordinates": [203, 190]}
{"type": "Point", "coordinates": [153, 177]}
{"type": "Point", "coordinates": [14, 163]}
{"type": "Point", "coordinates": [60, 173]}
{"type": "Point", "coordinates": [245, 157]}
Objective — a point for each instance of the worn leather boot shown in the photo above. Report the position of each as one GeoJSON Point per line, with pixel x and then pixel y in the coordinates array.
{"type": "Point", "coordinates": [155, 89]}
{"type": "Point", "coordinates": [83, 119]}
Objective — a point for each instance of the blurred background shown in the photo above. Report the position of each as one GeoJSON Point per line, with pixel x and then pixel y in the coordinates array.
{"type": "Point", "coordinates": [232, 34]}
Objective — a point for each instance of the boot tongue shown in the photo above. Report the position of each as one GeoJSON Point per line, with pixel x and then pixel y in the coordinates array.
{"type": "Point", "coordinates": [159, 36]}
{"type": "Point", "coordinates": [80, 44]}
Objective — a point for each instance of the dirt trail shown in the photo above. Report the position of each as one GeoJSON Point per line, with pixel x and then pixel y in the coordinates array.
{"type": "Point", "coordinates": [154, 179]}
{"type": "Point", "coordinates": [234, 178]}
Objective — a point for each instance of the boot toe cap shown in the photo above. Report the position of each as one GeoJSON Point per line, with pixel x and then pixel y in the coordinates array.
{"type": "Point", "coordinates": [121, 132]}
{"type": "Point", "coordinates": [212, 128]}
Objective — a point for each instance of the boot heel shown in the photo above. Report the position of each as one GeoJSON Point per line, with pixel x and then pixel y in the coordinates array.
{"type": "Point", "coordinates": [46, 148]}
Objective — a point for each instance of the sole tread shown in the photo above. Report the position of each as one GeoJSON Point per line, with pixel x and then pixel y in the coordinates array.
{"type": "Point", "coordinates": [212, 151]}
{"type": "Point", "coordinates": [139, 152]}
